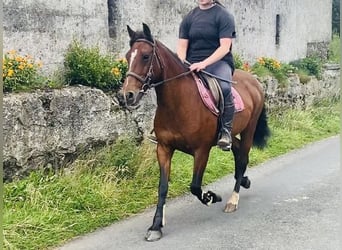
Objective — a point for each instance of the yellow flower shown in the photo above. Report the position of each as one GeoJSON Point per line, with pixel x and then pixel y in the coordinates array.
{"type": "Point", "coordinates": [116, 71]}
{"type": "Point", "coordinates": [276, 64]}
{"type": "Point", "coordinates": [261, 60]}
{"type": "Point", "coordinates": [19, 59]}
{"type": "Point", "coordinates": [21, 66]}
{"type": "Point", "coordinates": [10, 72]}
{"type": "Point", "coordinates": [246, 67]}
{"type": "Point", "coordinates": [12, 52]}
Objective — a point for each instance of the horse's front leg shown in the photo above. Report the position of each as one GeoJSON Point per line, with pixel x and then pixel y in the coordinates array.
{"type": "Point", "coordinates": [200, 163]}
{"type": "Point", "coordinates": [241, 161]}
{"type": "Point", "coordinates": [164, 159]}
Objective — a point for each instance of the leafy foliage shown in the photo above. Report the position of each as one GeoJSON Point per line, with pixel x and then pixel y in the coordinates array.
{"type": "Point", "coordinates": [20, 72]}
{"type": "Point", "coordinates": [238, 61]}
{"type": "Point", "coordinates": [88, 67]}
{"type": "Point", "coordinates": [269, 66]}
{"type": "Point", "coordinates": [311, 65]}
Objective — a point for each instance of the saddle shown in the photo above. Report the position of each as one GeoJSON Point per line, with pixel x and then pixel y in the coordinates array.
{"type": "Point", "coordinates": [211, 94]}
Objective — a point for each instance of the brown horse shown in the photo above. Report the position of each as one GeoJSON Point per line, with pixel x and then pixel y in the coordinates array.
{"type": "Point", "coordinates": [182, 122]}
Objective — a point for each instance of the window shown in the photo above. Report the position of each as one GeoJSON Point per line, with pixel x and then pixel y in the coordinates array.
{"type": "Point", "coordinates": [277, 36]}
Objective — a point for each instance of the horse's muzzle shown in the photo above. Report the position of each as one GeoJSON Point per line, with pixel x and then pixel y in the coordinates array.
{"type": "Point", "coordinates": [129, 99]}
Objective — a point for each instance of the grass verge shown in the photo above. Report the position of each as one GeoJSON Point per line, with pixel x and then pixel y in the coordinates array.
{"type": "Point", "coordinates": [45, 210]}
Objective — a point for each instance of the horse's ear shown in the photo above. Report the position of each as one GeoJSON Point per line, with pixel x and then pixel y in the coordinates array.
{"type": "Point", "coordinates": [130, 32]}
{"type": "Point", "coordinates": [147, 30]}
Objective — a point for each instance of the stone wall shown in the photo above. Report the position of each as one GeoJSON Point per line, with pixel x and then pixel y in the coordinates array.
{"type": "Point", "coordinates": [44, 29]}
{"type": "Point", "coordinates": [301, 95]}
{"type": "Point", "coordinates": [50, 128]}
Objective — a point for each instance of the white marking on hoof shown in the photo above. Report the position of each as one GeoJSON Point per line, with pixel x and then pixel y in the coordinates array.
{"type": "Point", "coordinates": [164, 220]}
{"type": "Point", "coordinates": [152, 235]}
{"type": "Point", "coordinates": [232, 203]}
{"type": "Point", "coordinates": [210, 201]}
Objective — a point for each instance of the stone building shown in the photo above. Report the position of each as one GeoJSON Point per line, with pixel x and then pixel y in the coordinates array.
{"type": "Point", "coordinates": [282, 29]}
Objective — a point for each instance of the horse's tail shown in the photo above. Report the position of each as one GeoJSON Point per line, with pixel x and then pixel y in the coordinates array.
{"type": "Point", "coordinates": [262, 131]}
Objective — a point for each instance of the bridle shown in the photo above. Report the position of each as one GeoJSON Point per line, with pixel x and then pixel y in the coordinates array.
{"type": "Point", "coordinates": [147, 80]}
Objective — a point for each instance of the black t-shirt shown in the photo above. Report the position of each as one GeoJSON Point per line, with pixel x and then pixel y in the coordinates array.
{"type": "Point", "coordinates": [203, 29]}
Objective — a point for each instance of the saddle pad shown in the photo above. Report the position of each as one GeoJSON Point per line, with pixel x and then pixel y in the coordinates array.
{"type": "Point", "coordinates": [211, 99]}
{"type": "Point", "coordinates": [238, 103]}
{"type": "Point", "coordinates": [207, 97]}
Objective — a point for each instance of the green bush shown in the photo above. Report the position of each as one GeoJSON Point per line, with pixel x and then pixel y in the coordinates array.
{"type": "Point", "coordinates": [260, 70]}
{"type": "Point", "coordinates": [88, 67]}
{"type": "Point", "coordinates": [269, 66]}
{"type": "Point", "coordinates": [312, 65]}
{"type": "Point", "coordinates": [303, 76]}
{"type": "Point", "coordinates": [238, 61]}
{"type": "Point", "coordinates": [20, 72]}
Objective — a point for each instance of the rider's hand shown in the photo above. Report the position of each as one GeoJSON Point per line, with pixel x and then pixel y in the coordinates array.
{"type": "Point", "coordinates": [198, 66]}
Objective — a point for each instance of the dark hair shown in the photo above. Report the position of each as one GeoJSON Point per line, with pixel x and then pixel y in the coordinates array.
{"type": "Point", "coordinates": [218, 2]}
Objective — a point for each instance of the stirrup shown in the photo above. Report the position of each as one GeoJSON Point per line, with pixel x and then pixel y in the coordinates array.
{"type": "Point", "coordinates": [225, 142]}
{"type": "Point", "coordinates": [152, 139]}
{"type": "Point", "coordinates": [224, 146]}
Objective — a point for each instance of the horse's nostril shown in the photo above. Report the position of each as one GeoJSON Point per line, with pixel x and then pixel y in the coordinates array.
{"type": "Point", "coordinates": [129, 95]}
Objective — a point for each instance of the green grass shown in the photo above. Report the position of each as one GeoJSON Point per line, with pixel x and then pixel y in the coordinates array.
{"type": "Point", "coordinates": [43, 211]}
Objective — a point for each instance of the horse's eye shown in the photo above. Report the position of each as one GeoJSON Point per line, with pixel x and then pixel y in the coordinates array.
{"type": "Point", "coordinates": [146, 57]}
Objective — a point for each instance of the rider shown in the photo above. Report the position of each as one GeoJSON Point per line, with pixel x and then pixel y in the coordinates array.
{"type": "Point", "coordinates": [205, 40]}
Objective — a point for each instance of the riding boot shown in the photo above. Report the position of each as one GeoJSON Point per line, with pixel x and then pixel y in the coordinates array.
{"type": "Point", "coordinates": [225, 142]}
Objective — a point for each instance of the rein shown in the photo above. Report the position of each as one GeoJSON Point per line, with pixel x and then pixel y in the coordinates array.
{"type": "Point", "coordinates": [170, 79]}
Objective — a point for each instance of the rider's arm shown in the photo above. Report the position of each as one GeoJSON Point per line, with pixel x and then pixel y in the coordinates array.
{"type": "Point", "coordinates": [182, 48]}
{"type": "Point", "coordinates": [218, 54]}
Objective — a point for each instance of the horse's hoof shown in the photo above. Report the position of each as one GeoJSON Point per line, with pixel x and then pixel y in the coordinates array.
{"type": "Point", "coordinates": [246, 183]}
{"type": "Point", "coordinates": [210, 197]}
{"type": "Point", "coordinates": [230, 208]}
{"type": "Point", "coordinates": [153, 235]}
{"type": "Point", "coordinates": [218, 198]}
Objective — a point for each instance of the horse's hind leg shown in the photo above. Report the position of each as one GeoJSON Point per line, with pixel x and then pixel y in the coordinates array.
{"type": "Point", "coordinates": [241, 157]}
{"type": "Point", "coordinates": [200, 163]}
{"type": "Point", "coordinates": [164, 159]}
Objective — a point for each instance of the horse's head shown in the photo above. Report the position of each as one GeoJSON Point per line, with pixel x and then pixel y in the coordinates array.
{"type": "Point", "coordinates": [144, 66]}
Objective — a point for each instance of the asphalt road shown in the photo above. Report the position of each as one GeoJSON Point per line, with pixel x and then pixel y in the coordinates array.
{"type": "Point", "coordinates": [293, 203]}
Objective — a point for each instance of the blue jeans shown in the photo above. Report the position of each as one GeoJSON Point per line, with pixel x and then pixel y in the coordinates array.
{"type": "Point", "coordinates": [222, 70]}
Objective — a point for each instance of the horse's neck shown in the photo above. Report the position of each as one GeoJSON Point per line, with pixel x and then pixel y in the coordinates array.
{"type": "Point", "coordinates": [179, 87]}
{"type": "Point", "coordinates": [177, 93]}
